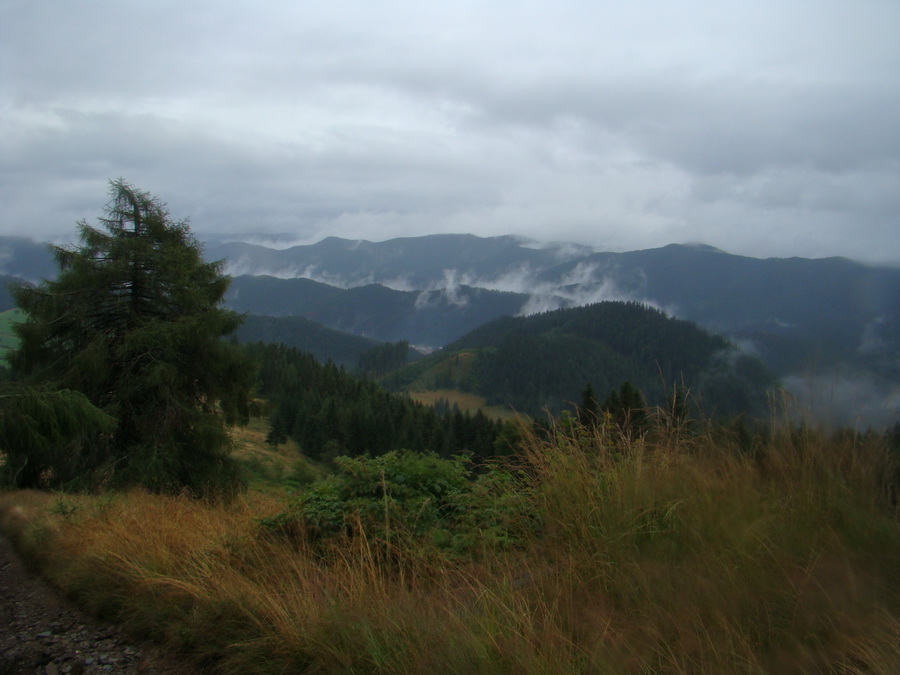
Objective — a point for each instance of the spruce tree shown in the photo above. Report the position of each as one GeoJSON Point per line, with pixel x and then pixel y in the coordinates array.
{"type": "Point", "coordinates": [134, 322]}
{"type": "Point", "coordinates": [627, 409]}
{"type": "Point", "coordinates": [45, 436]}
{"type": "Point", "coordinates": [588, 411]}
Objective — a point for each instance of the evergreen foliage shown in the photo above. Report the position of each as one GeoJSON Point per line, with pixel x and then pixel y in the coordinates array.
{"type": "Point", "coordinates": [408, 495]}
{"type": "Point", "coordinates": [331, 412]}
{"type": "Point", "coordinates": [326, 344]}
{"type": "Point", "coordinates": [133, 321]}
{"type": "Point", "coordinates": [627, 409]}
{"type": "Point", "coordinates": [540, 363]}
{"type": "Point", "coordinates": [45, 435]}
{"type": "Point", "coordinates": [588, 411]}
{"type": "Point", "coordinates": [383, 358]}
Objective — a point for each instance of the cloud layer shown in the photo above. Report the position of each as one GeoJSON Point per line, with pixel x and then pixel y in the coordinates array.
{"type": "Point", "coordinates": [764, 128]}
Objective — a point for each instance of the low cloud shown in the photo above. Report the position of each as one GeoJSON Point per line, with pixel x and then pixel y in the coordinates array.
{"type": "Point", "coordinates": [448, 291]}
{"type": "Point", "coordinates": [836, 400]}
{"type": "Point", "coordinates": [585, 284]}
{"type": "Point", "coordinates": [766, 128]}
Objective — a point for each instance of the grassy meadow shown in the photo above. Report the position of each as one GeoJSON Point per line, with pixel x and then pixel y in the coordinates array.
{"type": "Point", "coordinates": [465, 401]}
{"type": "Point", "coordinates": [677, 552]}
{"type": "Point", "coordinates": [268, 469]}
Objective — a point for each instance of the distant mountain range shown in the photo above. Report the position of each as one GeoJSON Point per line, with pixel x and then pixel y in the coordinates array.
{"type": "Point", "coordinates": [23, 258]}
{"type": "Point", "coordinates": [830, 328]}
{"type": "Point", "coordinates": [796, 313]}
{"type": "Point", "coordinates": [409, 263]}
{"type": "Point", "coordinates": [830, 325]}
{"type": "Point", "coordinates": [429, 319]}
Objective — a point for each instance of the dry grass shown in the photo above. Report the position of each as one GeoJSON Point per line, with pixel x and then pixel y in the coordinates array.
{"type": "Point", "coordinates": [465, 401]}
{"type": "Point", "coordinates": [671, 554]}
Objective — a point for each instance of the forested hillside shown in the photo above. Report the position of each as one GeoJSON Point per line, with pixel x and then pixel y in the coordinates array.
{"type": "Point", "coordinates": [624, 534]}
{"type": "Point", "coordinates": [330, 412]}
{"type": "Point", "coordinates": [830, 328]}
{"type": "Point", "coordinates": [544, 361]}
{"type": "Point", "coordinates": [798, 314]}
{"type": "Point", "coordinates": [306, 335]}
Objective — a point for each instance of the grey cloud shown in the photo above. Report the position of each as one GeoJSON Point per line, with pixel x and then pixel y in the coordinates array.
{"type": "Point", "coordinates": [762, 128]}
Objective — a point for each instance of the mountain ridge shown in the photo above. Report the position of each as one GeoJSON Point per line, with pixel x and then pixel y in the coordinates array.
{"type": "Point", "coordinates": [541, 362]}
{"type": "Point", "coordinates": [831, 321]}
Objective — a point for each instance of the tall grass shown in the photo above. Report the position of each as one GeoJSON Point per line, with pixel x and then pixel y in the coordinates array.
{"type": "Point", "coordinates": [673, 552]}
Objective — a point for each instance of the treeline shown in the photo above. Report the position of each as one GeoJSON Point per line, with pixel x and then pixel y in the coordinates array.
{"type": "Point", "coordinates": [364, 356]}
{"type": "Point", "coordinates": [331, 412]}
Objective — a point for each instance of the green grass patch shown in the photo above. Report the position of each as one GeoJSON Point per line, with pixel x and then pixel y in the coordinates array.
{"type": "Point", "coordinates": [271, 469]}
{"type": "Point", "coordinates": [8, 339]}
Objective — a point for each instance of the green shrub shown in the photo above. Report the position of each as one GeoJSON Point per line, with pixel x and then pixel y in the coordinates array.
{"type": "Point", "coordinates": [412, 495]}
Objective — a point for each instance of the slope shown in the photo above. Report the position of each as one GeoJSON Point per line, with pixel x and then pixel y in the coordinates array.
{"type": "Point", "coordinates": [545, 360]}
{"type": "Point", "coordinates": [795, 313]}
{"type": "Point", "coordinates": [428, 318]}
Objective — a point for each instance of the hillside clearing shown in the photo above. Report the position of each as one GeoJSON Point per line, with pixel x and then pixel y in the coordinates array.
{"type": "Point", "coordinates": [465, 401]}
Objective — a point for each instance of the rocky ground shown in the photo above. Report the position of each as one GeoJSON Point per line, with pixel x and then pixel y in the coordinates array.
{"type": "Point", "coordinates": [42, 633]}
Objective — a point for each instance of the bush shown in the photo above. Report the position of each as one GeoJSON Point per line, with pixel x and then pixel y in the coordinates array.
{"type": "Point", "coordinates": [404, 494]}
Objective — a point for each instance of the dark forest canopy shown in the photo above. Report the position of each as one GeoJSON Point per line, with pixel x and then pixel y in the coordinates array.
{"type": "Point", "coordinates": [326, 344]}
{"type": "Point", "coordinates": [331, 412]}
{"type": "Point", "coordinates": [542, 362]}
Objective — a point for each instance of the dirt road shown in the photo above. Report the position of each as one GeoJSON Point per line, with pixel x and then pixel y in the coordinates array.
{"type": "Point", "coordinates": [40, 632]}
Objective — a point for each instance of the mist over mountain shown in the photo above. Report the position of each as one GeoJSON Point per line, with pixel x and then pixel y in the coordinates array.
{"type": "Point", "coordinates": [830, 328]}
{"type": "Point", "coordinates": [409, 263]}
{"type": "Point", "coordinates": [796, 313]}
{"type": "Point", "coordinates": [428, 319]}
{"type": "Point", "coordinates": [541, 362]}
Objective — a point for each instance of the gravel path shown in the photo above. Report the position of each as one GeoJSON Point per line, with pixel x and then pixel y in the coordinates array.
{"type": "Point", "coordinates": [40, 632]}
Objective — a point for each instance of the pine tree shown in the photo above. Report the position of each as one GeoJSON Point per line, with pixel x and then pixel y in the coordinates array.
{"type": "Point", "coordinates": [134, 322]}
{"type": "Point", "coordinates": [588, 410]}
{"type": "Point", "coordinates": [627, 409]}
{"type": "Point", "coordinates": [278, 429]}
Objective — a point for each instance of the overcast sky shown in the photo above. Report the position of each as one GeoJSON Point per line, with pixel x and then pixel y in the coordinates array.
{"type": "Point", "coordinates": [762, 127]}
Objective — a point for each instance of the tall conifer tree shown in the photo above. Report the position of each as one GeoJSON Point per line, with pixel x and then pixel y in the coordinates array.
{"type": "Point", "coordinates": [134, 322]}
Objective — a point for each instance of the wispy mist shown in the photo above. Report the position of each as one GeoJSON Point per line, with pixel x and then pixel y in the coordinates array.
{"type": "Point", "coordinates": [847, 399]}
